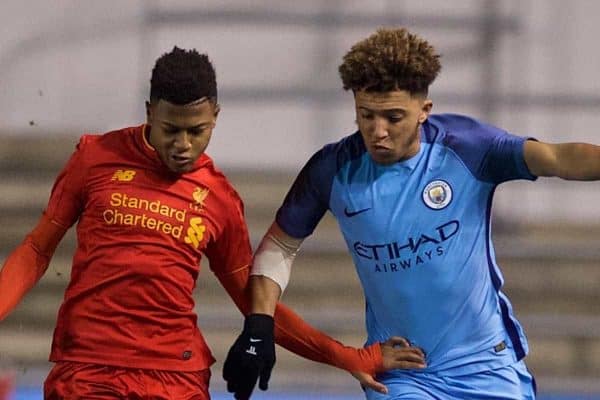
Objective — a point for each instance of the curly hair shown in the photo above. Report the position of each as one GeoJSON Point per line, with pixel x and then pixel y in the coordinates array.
{"type": "Point", "coordinates": [182, 76]}
{"type": "Point", "coordinates": [390, 59]}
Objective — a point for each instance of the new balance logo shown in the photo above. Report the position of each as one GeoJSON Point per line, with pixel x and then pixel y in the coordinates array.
{"type": "Point", "coordinates": [123, 175]}
{"type": "Point", "coordinates": [353, 213]}
{"type": "Point", "coordinates": [251, 350]}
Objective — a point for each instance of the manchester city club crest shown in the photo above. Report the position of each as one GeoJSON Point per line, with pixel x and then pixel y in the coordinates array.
{"type": "Point", "coordinates": [437, 194]}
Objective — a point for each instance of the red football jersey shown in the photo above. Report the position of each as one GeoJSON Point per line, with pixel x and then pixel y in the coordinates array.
{"type": "Point", "coordinates": [141, 233]}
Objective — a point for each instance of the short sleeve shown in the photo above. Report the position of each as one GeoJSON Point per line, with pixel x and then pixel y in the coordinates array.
{"type": "Point", "coordinates": [308, 199]}
{"type": "Point", "coordinates": [491, 154]}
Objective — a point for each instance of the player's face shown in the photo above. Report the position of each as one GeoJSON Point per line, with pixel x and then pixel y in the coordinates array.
{"type": "Point", "coordinates": [389, 123]}
{"type": "Point", "coordinates": [180, 133]}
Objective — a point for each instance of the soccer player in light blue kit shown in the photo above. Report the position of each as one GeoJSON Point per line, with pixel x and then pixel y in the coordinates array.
{"type": "Point", "coordinates": [412, 193]}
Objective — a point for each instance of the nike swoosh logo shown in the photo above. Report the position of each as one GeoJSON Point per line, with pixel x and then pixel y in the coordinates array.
{"type": "Point", "coordinates": [353, 213]}
{"type": "Point", "coordinates": [252, 340]}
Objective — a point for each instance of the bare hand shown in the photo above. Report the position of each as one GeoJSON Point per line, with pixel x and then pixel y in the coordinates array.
{"type": "Point", "coordinates": [397, 353]}
{"type": "Point", "coordinates": [367, 381]}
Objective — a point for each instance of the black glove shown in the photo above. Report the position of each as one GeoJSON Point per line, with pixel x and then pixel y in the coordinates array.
{"type": "Point", "coordinates": [251, 356]}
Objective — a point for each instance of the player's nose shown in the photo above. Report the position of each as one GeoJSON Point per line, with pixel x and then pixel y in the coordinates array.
{"type": "Point", "coordinates": [380, 128]}
{"type": "Point", "coordinates": [182, 141]}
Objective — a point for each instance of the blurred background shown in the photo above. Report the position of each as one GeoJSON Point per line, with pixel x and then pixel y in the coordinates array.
{"type": "Point", "coordinates": [530, 66]}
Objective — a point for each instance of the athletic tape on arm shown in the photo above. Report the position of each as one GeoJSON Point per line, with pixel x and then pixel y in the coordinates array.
{"type": "Point", "coordinates": [275, 255]}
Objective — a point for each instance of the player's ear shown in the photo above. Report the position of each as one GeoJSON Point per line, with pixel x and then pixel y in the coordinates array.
{"type": "Point", "coordinates": [217, 110]}
{"type": "Point", "coordinates": [425, 110]}
{"type": "Point", "coordinates": [148, 113]}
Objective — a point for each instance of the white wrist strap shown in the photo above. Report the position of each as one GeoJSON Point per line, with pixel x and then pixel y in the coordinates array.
{"type": "Point", "coordinates": [274, 256]}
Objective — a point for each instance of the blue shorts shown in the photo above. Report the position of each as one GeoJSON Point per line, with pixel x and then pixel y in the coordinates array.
{"type": "Point", "coordinates": [513, 382]}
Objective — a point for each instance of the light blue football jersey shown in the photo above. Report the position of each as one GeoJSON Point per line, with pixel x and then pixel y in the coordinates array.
{"type": "Point", "coordinates": [419, 232]}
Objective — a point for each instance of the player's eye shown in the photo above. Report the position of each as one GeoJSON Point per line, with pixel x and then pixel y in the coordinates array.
{"type": "Point", "coordinates": [197, 131]}
{"type": "Point", "coordinates": [171, 130]}
{"type": "Point", "coordinates": [395, 118]}
{"type": "Point", "coordinates": [368, 116]}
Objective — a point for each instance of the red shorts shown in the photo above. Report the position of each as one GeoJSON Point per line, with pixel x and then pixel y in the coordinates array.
{"type": "Point", "coordinates": [6, 386]}
{"type": "Point", "coordinates": [73, 380]}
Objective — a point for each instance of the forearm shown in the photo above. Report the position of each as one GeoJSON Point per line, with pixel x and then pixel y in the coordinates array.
{"type": "Point", "coordinates": [27, 263]}
{"type": "Point", "coordinates": [271, 269]}
{"type": "Point", "coordinates": [571, 161]}
{"type": "Point", "coordinates": [264, 293]}
{"type": "Point", "coordinates": [270, 274]}
{"type": "Point", "coordinates": [21, 271]}
{"type": "Point", "coordinates": [297, 336]}
{"type": "Point", "coordinates": [294, 334]}
{"type": "Point", "coordinates": [579, 161]}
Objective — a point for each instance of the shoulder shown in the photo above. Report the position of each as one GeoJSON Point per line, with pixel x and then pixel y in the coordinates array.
{"type": "Point", "coordinates": [334, 156]}
{"type": "Point", "coordinates": [216, 181]}
{"type": "Point", "coordinates": [455, 122]}
{"type": "Point", "coordinates": [490, 153]}
{"type": "Point", "coordinates": [466, 136]}
{"type": "Point", "coordinates": [114, 139]}
{"type": "Point", "coordinates": [452, 129]}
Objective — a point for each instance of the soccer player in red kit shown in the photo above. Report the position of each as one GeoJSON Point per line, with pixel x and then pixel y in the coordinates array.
{"type": "Point", "coordinates": [148, 203]}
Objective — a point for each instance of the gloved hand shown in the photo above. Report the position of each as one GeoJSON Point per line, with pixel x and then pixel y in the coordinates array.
{"type": "Point", "coordinates": [251, 357]}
